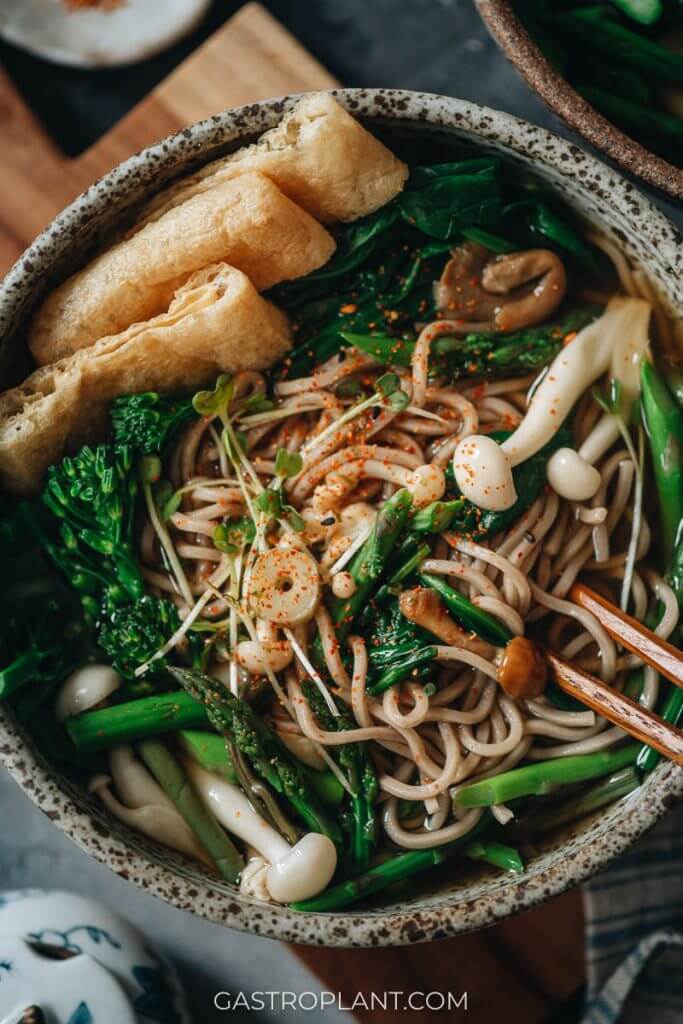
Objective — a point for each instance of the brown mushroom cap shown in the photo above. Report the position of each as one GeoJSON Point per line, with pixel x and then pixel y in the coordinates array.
{"type": "Point", "coordinates": [500, 293]}
{"type": "Point", "coordinates": [424, 607]}
{"type": "Point", "coordinates": [523, 671]}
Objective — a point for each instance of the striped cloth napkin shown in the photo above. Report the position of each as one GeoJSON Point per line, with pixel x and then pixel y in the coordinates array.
{"type": "Point", "coordinates": [634, 932]}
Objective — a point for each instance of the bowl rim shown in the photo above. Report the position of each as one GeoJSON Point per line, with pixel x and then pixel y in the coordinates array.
{"type": "Point", "coordinates": [169, 877]}
{"type": "Point", "coordinates": [563, 100]}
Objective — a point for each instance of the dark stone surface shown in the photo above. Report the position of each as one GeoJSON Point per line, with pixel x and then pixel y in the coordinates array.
{"type": "Point", "coordinates": [433, 45]}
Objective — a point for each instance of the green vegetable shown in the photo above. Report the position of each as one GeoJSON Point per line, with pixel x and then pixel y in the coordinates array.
{"type": "Point", "coordinates": [543, 220]}
{"type": "Point", "coordinates": [436, 517]}
{"type": "Point", "coordinates": [544, 819]}
{"type": "Point", "coordinates": [130, 635]}
{"type": "Point", "coordinates": [664, 425]}
{"type": "Point", "coordinates": [530, 478]}
{"type": "Point", "coordinates": [471, 618]}
{"type": "Point", "coordinates": [235, 534]}
{"type": "Point", "coordinates": [135, 720]}
{"type": "Point", "coordinates": [211, 752]}
{"type": "Point", "coordinates": [590, 26]}
{"type": "Point", "coordinates": [675, 575]}
{"type": "Point", "coordinates": [384, 875]}
{"type": "Point", "coordinates": [354, 761]}
{"type": "Point", "coordinates": [501, 856]}
{"type": "Point", "coordinates": [674, 379]}
{"type": "Point", "coordinates": [371, 560]}
{"type": "Point", "coordinates": [407, 666]}
{"type": "Point", "coordinates": [380, 280]}
{"type": "Point", "coordinates": [42, 637]}
{"type": "Point", "coordinates": [544, 776]}
{"type": "Point", "coordinates": [148, 423]}
{"type": "Point", "coordinates": [236, 721]}
{"type": "Point", "coordinates": [489, 354]}
{"type": "Point", "coordinates": [636, 118]}
{"type": "Point", "coordinates": [177, 786]}
{"type": "Point", "coordinates": [644, 11]}
{"type": "Point", "coordinates": [287, 464]}
{"type": "Point", "coordinates": [92, 497]}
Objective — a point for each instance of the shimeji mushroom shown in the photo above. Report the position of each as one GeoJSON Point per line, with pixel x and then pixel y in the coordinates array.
{"type": "Point", "coordinates": [519, 667]}
{"type": "Point", "coordinates": [84, 689]}
{"type": "Point", "coordinates": [483, 471]}
{"type": "Point", "coordinates": [141, 803]}
{"type": "Point", "coordinates": [296, 872]}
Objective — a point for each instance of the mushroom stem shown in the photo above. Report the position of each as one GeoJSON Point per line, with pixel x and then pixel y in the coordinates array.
{"type": "Point", "coordinates": [572, 372]}
{"type": "Point", "coordinates": [306, 867]}
{"type": "Point", "coordinates": [85, 688]}
{"type": "Point", "coordinates": [142, 804]}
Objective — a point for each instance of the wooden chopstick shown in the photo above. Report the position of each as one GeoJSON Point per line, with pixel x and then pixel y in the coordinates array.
{"type": "Point", "coordinates": [620, 710]}
{"type": "Point", "coordinates": [632, 635]}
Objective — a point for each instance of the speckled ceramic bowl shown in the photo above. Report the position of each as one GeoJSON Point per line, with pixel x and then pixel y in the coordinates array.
{"type": "Point", "coordinates": [440, 906]}
{"type": "Point", "coordinates": [558, 94]}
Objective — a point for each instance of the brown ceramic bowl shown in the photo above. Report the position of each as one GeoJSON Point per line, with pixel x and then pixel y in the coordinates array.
{"type": "Point", "coordinates": [457, 899]}
{"type": "Point", "coordinates": [563, 100]}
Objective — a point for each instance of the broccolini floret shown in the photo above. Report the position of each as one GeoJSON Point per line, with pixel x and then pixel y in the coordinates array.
{"type": "Point", "coordinates": [147, 423]}
{"type": "Point", "coordinates": [131, 634]}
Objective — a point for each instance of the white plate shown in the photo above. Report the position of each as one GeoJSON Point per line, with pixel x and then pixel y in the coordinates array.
{"type": "Point", "coordinates": [91, 38]}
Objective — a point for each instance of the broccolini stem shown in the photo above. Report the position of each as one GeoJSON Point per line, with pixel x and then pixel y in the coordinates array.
{"type": "Point", "coordinates": [380, 877]}
{"type": "Point", "coordinates": [498, 854]}
{"type": "Point", "coordinates": [397, 673]}
{"type": "Point", "coordinates": [176, 785]}
{"type": "Point", "coordinates": [544, 776]}
{"type": "Point", "coordinates": [136, 720]}
{"type": "Point", "coordinates": [468, 615]}
{"type": "Point", "coordinates": [371, 560]}
{"type": "Point", "coordinates": [609, 789]}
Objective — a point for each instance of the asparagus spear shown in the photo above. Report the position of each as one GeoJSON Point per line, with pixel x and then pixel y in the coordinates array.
{"type": "Point", "coordinates": [235, 720]}
{"type": "Point", "coordinates": [544, 776]}
{"type": "Point", "coordinates": [479, 353]}
{"type": "Point", "coordinates": [135, 720]}
{"type": "Point", "coordinates": [174, 783]}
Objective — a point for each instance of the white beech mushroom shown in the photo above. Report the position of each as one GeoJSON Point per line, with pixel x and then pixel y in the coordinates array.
{"type": "Point", "coordinates": [296, 872]}
{"type": "Point", "coordinates": [579, 364]}
{"type": "Point", "coordinates": [84, 689]}
{"type": "Point", "coordinates": [141, 803]}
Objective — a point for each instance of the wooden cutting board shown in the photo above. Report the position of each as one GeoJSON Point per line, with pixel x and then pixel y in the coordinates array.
{"type": "Point", "coordinates": [251, 57]}
{"type": "Point", "coordinates": [522, 970]}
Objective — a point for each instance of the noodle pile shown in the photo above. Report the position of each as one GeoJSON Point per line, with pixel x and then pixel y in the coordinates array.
{"type": "Point", "coordinates": [425, 741]}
